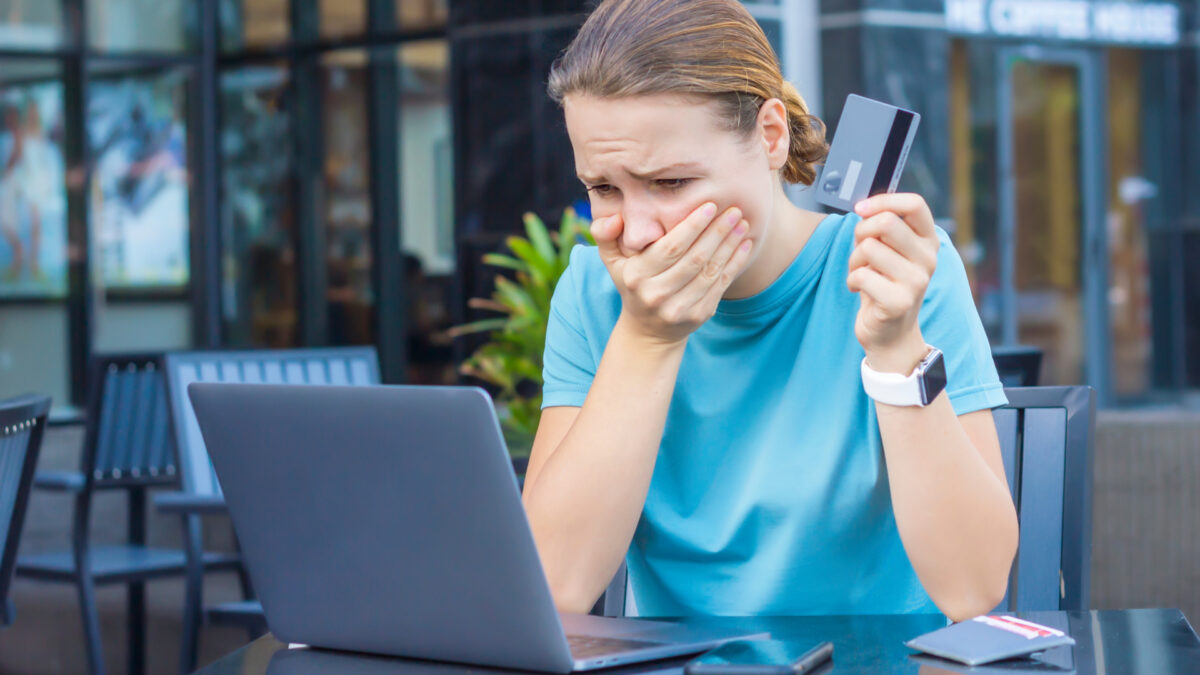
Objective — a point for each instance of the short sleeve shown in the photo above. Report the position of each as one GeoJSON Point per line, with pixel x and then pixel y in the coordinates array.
{"type": "Point", "coordinates": [567, 363]}
{"type": "Point", "coordinates": [950, 322]}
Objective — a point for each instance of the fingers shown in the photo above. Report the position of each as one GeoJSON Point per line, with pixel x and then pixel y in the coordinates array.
{"type": "Point", "coordinates": [704, 294]}
{"type": "Point", "coordinates": [701, 259]}
{"type": "Point", "coordinates": [910, 207]}
{"type": "Point", "coordinates": [606, 231]}
{"type": "Point", "coordinates": [889, 296]}
{"type": "Point", "coordinates": [672, 246]}
{"type": "Point", "coordinates": [725, 265]}
{"type": "Point", "coordinates": [656, 279]}
{"type": "Point", "coordinates": [888, 228]}
{"type": "Point", "coordinates": [885, 260]}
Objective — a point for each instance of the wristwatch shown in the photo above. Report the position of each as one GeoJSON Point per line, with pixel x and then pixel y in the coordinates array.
{"type": "Point", "coordinates": [916, 389]}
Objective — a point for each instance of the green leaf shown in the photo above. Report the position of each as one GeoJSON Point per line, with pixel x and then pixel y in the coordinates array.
{"type": "Point", "coordinates": [541, 269]}
{"type": "Point", "coordinates": [517, 339]}
{"type": "Point", "coordinates": [540, 237]}
{"type": "Point", "coordinates": [477, 327]}
{"type": "Point", "coordinates": [515, 297]}
{"type": "Point", "coordinates": [567, 228]}
{"type": "Point", "coordinates": [498, 260]}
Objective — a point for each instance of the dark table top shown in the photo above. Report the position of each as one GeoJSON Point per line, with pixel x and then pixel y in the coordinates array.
{"type": "Point", "coordinates": [1157, 641]}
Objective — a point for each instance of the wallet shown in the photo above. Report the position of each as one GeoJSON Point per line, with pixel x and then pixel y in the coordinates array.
{"type": "Point", "coordinates": [985, 639]}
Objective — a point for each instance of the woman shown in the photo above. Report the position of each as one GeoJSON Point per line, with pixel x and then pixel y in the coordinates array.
{"type": "Point", "coordinates": [705, 415]}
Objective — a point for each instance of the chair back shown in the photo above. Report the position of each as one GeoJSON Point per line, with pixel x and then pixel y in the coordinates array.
{"type": "Point", "coordinates": [326, 366]}
{"type": "Point", "coordinates": [1018, 365]}
{"type": "Point", "coordinates": [22, 421]}
{"type": "Point", "coordinates": [1046, 439]}
{"type": "Point", "coordinates": [128, 435]}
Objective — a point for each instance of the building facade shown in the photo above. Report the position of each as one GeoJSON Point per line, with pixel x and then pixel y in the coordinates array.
{"type": "Point", "coordinates": [277, 173]}
{"type": "Point", "coordinates": [1058, 143]}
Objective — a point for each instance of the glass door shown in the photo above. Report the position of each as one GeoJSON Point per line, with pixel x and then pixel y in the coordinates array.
{"type": "Point", "coordinates": [1052, 176]}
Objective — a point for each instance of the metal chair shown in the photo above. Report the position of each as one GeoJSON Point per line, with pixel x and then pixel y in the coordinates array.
{"type": "Point", "coordinates": [22, 421]}
{"type": "Point", "coordinates": [1047, 435]}
{"type": "Point", "coordinates": [1018, 365]}
{"type": "Point", "coordinates": [201, 493]}
{"type": "Point", "coordinates": [127, 447]}
{"type": "Point", "coordinates": [1046, 438]}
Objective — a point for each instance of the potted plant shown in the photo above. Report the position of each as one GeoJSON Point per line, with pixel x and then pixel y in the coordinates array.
{"type": "Point", "coordinates": [511, 360]}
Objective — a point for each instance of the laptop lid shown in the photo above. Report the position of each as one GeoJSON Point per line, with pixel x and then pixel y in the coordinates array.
{"type": "Point", "coordinates": [331, 490]}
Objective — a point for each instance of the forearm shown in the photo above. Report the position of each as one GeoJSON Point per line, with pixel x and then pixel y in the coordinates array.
{"type": "Point", "coordinates": [585, 502]}
{"type": "Point", "coordinates": [955, 515]}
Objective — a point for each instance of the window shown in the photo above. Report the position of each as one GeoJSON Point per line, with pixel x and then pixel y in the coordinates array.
{"type": "Point", "coordinates": [416, 14]}
{"type": "Point", "coordinates": [33, 208]}
{"type": "Point", "coordinates": [426, 184]}
{"type": "Point", "coordinates": [258, 216]}
{"type": "Point", "coordinates": [347, 197]}
{"type": "Point", "coordinates": [30, 24]}
{"type": "Point", "coordinates": [253, 23]}
{"type": "Point", "coordinates": [343, 18]}
{"type": "Point", "coordinates": [136, 126]}
{"type": "Point", "coordinates": [141, 25]}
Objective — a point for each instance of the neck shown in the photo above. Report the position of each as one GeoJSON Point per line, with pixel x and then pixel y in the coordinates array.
{"type": "Point", "coordinates": [789, 230]}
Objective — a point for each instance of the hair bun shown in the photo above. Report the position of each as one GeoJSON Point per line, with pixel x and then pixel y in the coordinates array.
{"type": "Point", "coordinates": [808, 146]}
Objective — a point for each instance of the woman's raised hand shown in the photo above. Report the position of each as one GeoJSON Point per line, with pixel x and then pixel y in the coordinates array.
{"type": "Point", "coordinates": [895, 254]}
{"type": "Point", "coordinates": [672, 286]}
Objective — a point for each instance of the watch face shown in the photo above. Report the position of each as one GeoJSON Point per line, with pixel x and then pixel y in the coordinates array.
{"type": "Point", "coordinates": [933, 380]}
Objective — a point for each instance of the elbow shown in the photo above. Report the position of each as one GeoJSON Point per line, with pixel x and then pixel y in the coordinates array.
{"type": "Point", "coordinates": [987, 591]}
{"type": "Point", "coordinates": [571, 598]}
{"type": "Point", "coordinates": [972, 604]}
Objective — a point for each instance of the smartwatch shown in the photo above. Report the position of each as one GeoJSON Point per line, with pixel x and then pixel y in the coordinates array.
{"type": "Point", "coordinates": [918, 388]}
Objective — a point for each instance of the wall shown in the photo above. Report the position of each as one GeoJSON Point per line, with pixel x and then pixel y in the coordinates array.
{"type": "Point", "coordinates": [33, 351]}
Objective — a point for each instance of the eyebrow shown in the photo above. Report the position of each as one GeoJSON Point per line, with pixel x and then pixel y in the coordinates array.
{"type": "Point", "coordinates": [649, 175]}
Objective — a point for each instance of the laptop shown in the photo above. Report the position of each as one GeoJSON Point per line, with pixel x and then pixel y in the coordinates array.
{"type": "Point", "coordinates": [388, 520]}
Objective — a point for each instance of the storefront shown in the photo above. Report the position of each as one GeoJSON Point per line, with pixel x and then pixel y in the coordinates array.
{"type": "Point", "coordinates": [1053, 146]}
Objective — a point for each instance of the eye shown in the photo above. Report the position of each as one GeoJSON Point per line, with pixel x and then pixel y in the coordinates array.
{"type": "Point", "coordinates": [672, 184]}
{"type": "Point", "coordinates": [602, 190]}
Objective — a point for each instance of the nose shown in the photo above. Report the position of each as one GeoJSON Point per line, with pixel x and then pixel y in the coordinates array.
{"type": "Point", "coordinates": [643, 226]}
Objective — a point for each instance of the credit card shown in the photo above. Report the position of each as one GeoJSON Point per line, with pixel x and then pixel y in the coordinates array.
{"type": "Point", "coordinates": [868, 152]}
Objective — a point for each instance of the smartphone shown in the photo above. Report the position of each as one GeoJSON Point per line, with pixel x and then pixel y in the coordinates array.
{"type": "Point", "coordinates": [761, 657]}
{"type": "Point", "coordinates": [868, 152]}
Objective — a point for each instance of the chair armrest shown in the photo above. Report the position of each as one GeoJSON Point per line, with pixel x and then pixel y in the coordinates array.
{"type": "Point", "coordinates": [182, 503]}
{"type": "Point", "coordinates": [59, 481]}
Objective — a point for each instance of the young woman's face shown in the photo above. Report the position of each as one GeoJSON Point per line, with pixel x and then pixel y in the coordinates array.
{"type": "Point", "coordinates": [655, 159]}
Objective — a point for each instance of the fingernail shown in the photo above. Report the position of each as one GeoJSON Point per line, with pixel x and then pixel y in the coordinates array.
{"type": "Point", "coordinates": [709, 210]}
{"type": "Point", "coordinates": [740, 229]}
{"type": "Point", "coordinates": [745, 245]}
{"type": "Point", "coordinates": [735, 216]}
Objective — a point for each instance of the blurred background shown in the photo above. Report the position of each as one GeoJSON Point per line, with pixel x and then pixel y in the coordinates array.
{"type": "Point", "coordinates": [250, 173]}
{"type": "Point", "coordinates": [286, 173]}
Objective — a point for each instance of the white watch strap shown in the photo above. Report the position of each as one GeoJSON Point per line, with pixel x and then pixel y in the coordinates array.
{"type": "Point", "coordinates": [891, 388]}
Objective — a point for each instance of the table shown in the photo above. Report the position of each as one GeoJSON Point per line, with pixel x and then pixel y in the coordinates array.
{"type": "Point", "coordinates": [1157, 641]}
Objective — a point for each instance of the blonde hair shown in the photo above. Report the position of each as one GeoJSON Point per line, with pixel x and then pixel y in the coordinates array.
{"type": "Point", "coordinates": [709, 49]}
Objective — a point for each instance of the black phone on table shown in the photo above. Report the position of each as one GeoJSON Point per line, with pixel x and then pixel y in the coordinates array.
{"type": "Point", "coordinates": [761, 657]}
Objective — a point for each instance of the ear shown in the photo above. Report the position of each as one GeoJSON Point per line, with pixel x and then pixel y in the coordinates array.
{"type": "Point", "coordinates": [776, 137]}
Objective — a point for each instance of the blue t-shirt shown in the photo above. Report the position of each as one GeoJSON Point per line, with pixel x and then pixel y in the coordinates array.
{"type": "Point", "coordinates": [770, 494]}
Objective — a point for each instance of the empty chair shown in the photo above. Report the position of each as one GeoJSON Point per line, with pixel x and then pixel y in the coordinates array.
{"type": "Point", "coordinates": [127, 447]}
{"type": "Point", "coordinates": [1046, 438]}
{"type": "Point", "coordinates": [201, 493]}
{"type": "Point", "coordinates": [22, 421]}
{"type": "Point", "coordinates": [1018, 365]}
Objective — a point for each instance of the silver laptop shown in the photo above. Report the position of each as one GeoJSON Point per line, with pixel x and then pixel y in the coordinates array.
{"type": "Point", "coordinates": [388, 520]}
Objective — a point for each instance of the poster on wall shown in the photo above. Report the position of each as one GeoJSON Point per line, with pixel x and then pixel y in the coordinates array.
{"type": "Point", "coordinates": [139, 191]}
{"type": "Point", "coordinates": [33, 213]}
